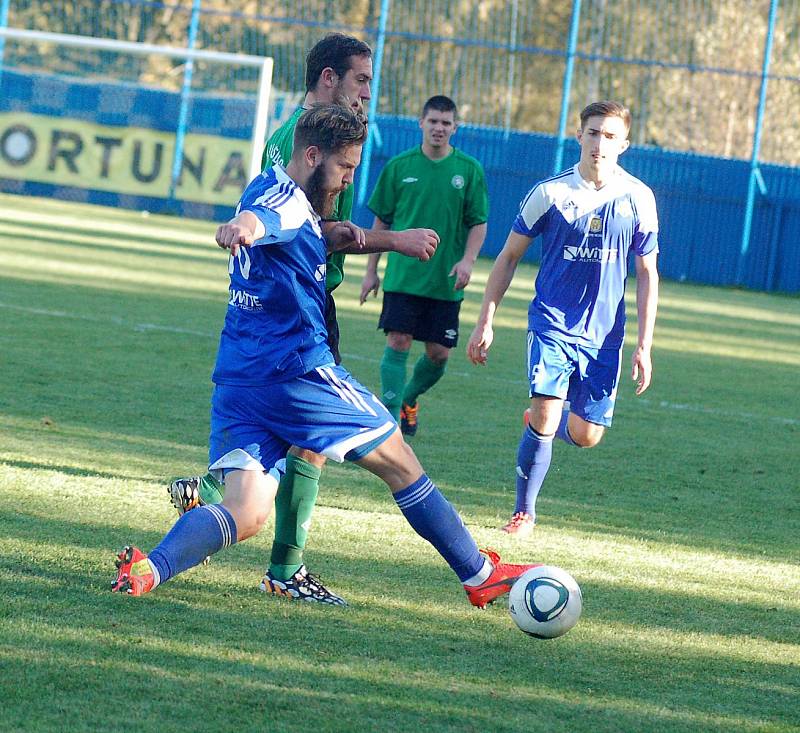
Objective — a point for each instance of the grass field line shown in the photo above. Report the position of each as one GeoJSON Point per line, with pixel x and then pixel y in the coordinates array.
{"type": "Point", "coordinates": [115, 320]}
{"type": "Point", "coordinates": [141, 327]}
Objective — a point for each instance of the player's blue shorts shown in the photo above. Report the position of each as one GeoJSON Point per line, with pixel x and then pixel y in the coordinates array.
{"type": "Point", "coordinates": [587, 377]}
{"type": "Point", "coordinates": [326, 411]}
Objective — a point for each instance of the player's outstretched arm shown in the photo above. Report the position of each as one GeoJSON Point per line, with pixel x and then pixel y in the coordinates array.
{"type": "Point", "coordinates": [646, 307]}
{"type": "Point", "coordinates": [463, 268]}
{"type": "Point", "coordinates": [343, 236]}
{"type": "Point", "coordinates": [419, 243]}
{"type": "Point", "coordinates": [499, 279]}
{"type": "Point", "coordinates": [244, 229]}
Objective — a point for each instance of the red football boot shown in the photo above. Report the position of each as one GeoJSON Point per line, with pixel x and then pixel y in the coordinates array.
{"type": "Point", "coordinates": [498, 583]}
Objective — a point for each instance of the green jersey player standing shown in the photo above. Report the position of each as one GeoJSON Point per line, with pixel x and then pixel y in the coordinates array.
{"type": "Point", "coordinates": [338, 70]}
{"type": "Point", "coordinates": [434, 185]}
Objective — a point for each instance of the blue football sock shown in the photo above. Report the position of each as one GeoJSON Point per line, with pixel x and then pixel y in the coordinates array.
{"type": "Point", "coordinates": [436, 520]}
{"type": "Point", "coordinates": [196, 535]}
{"type": "Point", "coordinates": [563, 430]}
{"type": "Point", "coordinates": [533, 462]}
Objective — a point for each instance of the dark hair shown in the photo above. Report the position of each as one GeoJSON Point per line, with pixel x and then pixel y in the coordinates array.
{"type": "Point", "coordinates": [333, 51]}
{"type": "Point", "coordinates": [606, 109]}
{"type": "Point", "coordinates": [330, 127]}
{"type": "Point", "coordinates": [441, 104]}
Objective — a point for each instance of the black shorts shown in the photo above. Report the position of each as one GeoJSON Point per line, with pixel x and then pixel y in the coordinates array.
{"type": "Point", "coordinates": [333, 327]}
{"type": "Point", "coordinates": [426, 319]}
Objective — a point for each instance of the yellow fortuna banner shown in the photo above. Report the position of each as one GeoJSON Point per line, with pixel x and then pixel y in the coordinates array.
{"type": "Point", "coordinates": [126, 160]}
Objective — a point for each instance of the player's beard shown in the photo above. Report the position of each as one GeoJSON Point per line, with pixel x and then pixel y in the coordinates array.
{"type": "Point", "coordinates": [320, 198]}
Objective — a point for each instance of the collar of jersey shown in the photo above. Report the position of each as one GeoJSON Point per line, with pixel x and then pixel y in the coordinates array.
{"type": "Point", "coordinates": [437, 161]}
{"type": "Point", "coordinates": [589, 185]}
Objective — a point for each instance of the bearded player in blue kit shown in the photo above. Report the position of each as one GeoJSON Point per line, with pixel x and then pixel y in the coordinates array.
{"type": "Point", "coordinates": [276, 383]}
{"type": "Point", "coordinates": [589, 217]}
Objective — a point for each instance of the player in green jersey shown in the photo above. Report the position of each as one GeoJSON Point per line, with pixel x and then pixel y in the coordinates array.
{"type": "Point", "coordinates": [437, 186]}
{"type": "Point", "coordinates": [338, 69]}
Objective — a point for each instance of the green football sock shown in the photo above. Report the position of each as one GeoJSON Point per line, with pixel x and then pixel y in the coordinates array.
{"type": "Point", "coordinates": [294, 504]}
{"type": "Point", "coordinates": [393, 379]}
{"type": "Point", "coordinates": [211, 491]}
{"type": "Point", "coordinates": [426, 374]}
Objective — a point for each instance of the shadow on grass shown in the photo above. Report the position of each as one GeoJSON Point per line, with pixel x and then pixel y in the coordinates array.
{"type": "Point", "coordinates": [197, 659]}
{"type": "Point", "coordinates": [70, 470]}
{"type": "Point", "coordinates": [219, 655]}
{"type": "Point", "coordinates": [626, 604]}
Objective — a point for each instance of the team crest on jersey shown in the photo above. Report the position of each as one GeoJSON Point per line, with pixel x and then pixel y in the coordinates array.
{"type": "Point", "coordinates": [457, 181]}
{"type": "Point", "coordinates": [320, 273]}
{"type": "Point", "coordinates": [595, 225]}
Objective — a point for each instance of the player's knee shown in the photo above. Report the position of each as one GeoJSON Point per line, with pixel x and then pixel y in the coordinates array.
{"type": "Point", "coordinates": [249, 498]}
{"type": "Point", "coordinates": [394, 462]}
{"type": "Point", "coordinates": [437, 353]}
{"type": "Point", "coordinates": [399, 341]}
{"type": "Point", "coordinates": [249, 520]}
{"type": "Point", "coordinates": [315, 459]}
{"type": "Point", "coordinates": [588, 438]}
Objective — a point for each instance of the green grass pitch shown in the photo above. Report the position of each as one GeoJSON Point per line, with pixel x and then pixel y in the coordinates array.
{"type": "Point", "coordinates": [682, 527]}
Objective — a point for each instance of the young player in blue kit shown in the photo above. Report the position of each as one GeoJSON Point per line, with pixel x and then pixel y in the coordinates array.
{"type": "Point", "coordinates": [276, 383]}
{"type": "Point", "coordinates": [589, 217]}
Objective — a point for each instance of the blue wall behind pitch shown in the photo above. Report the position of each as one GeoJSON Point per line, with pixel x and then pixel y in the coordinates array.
{"type": "Point", "coordinates": [701, 200]}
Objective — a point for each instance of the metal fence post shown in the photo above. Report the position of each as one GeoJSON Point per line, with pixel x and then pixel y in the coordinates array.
{"type": "Point", "coordinates": [755, 172]}
{"type": "Point", "coordinates": [366, 157]}
{"type": "Point", "coordinates": [567, 86]}
{"type": "Point", "coordinates": [512, 51]}
{"type": "Point", "coordinates": [3, 24]}
{"type": "Point", "coordinates": [183, 113]}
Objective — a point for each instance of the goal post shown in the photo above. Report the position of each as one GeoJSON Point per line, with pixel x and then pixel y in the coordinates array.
{"type": "Point", "coordinates": [262, 66]}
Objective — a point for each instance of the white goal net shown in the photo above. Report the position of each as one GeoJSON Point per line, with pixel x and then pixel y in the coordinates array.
{"type": "Point", "coordinates": [131, 124]}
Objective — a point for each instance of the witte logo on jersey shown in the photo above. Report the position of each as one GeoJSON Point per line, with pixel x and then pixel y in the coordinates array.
{"type": "Point", "coordinates": [587, 253]}
{"type": "Point", "coordinates": [320, 273]}
{"type": "Point", "coordinates": [457, 181]}
{"type": "Point", "coordinates": [244, 300]}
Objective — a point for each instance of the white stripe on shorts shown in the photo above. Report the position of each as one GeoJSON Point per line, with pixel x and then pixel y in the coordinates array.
{"type": "Point", "coordinates": [338, 451]}
{"type": "Point", "coordinates": [528, 356]}
{"type": "Point", "coordinates": [346, 391]}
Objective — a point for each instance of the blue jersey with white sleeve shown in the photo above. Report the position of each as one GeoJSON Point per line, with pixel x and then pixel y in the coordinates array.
{"type": "Point", "coordinates": [275, 324]}
{"type": "Point", "coordinates": [587, 234]}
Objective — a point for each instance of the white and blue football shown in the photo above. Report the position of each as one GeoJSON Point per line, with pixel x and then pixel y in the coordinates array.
{"type": "Point", "coordinates": [545, 602]}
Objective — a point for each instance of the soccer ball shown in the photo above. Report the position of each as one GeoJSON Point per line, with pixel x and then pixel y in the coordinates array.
{"type": "Point", "coordinates": [545, 602]}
